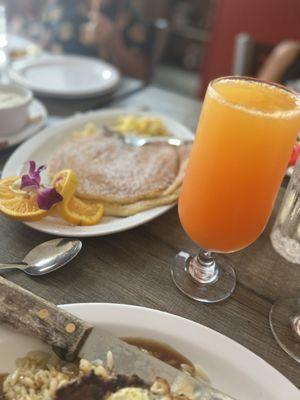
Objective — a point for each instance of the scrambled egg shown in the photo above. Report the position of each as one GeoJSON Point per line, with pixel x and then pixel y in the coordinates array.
{"type": "Point", "coordinates": [136, 394]}
{"type": "Point", "coordinates": [88, 130]}
{"type": "Point", "coordinates": [160, 390]}
{"type": "Point", "coordinates": [145, 126]}
{"type": "Point", "coordinates": [130, 394]}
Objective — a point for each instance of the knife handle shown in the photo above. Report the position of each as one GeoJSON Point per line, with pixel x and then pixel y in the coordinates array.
{"type": "Point", "coordinates": [28, 313]}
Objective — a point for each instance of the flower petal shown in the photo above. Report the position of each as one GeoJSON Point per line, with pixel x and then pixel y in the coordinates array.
{"type": "Point", "coordinates": [33, 171]}
{"type": "Point", "coordinates": [28, 183]}
{"type": "Point", "coordinates": [47, 197]}
{"type": "Point", "coordinates": [36, 174]}
{"type": "Point", "coordinates": [32, 167]}
{"type": "Point", "coordinates": [41, 168]}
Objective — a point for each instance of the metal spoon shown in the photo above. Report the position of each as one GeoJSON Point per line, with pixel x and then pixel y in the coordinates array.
{"type": "Point", "coordinates": [142, 141]}
{"type": "Point", "coordinates": [135, 140]}
{"type": "Point", "coordinates": [47, 257]}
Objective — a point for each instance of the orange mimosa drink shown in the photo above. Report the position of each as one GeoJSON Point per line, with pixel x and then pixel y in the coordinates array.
{"type": "Point", "coordinates": [241, 151]}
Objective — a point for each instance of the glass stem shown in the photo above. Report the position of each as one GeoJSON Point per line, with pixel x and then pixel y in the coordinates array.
{"type": "Point", "coordinates": [203, 268]}
{"type": "Point", "coordinates": [295, 323]}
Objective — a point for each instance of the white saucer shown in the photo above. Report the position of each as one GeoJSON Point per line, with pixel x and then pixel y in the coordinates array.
{"type": "Point", "coordinates": [37, 119]}
{"type": "Point", "coordinates": [66, 76]}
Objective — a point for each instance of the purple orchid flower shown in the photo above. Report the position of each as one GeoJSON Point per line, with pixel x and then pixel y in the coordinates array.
{"type": "Point", "coordinates": [33, 178]}
{"type": "Point", "coordinates": [47, 196]}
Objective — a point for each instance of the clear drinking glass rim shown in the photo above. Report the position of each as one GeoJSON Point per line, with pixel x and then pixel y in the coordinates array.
{"type": "Point", "coordinates": [255, 111]}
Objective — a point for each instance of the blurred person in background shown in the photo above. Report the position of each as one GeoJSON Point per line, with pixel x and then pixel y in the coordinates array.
{"type": "Point", "coordinates": [111, 29]}
{"type": "Point", "coordinates": [283, 63]}
{"type": "Point", "coordinates": [24, 17]}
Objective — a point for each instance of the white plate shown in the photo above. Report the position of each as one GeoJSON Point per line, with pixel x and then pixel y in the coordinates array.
{"type": "Point", "coordinates": [66, 76]}
{"type": "Point", "coordinates": [38, 118]}
{"type": "Point", "coordinates": [40, 148]}
{"type": "Point", "coordinates": [230, 366]}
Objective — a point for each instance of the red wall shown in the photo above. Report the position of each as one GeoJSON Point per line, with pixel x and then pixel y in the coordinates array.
{"type": "Point", "coordinates": [268, 21]}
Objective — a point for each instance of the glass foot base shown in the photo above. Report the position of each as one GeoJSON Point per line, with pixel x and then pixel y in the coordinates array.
{"type": "Point", "coordinates": [285, 324]}
{"type": "Point", "coordinates": [212, 292]}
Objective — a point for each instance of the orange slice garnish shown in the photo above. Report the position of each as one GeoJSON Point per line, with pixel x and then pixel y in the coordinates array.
{"type": "Point", "coordinates": [65, 182]}
{"type": "Point", "coordinates": [81, 212]}
{"type": "Point", "coordinates": [22, 207]}
{"type": "Point", "coordinates": [6, 187]}
{"type": "Point", "coordinates": [18, 204]}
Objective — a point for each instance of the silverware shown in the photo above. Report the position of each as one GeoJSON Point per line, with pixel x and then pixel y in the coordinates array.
{"type": "Point", "coordinates": [47, 257]}
{"type": "Point", "coordinates": [71, 337]}
{"type": "Point", "coordinates": [135, 140]}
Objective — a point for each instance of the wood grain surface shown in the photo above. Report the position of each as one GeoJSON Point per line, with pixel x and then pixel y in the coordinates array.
{"type": "Point", "coordinates": [133, 267]}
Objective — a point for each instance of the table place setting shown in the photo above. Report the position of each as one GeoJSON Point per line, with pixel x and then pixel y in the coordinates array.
{"type": "Point", "coordinates": [46, 257]}
{"type": "Point", "coordinates": [97, 175]}
{"type": "Point", "coordinates": [149, 201]}
{"type": "Point", "coordinates": [21, 115]}
{"type": "Point", "coordinates": [53, 79]}
{"type": "Point", "coordinates": [108, 289]}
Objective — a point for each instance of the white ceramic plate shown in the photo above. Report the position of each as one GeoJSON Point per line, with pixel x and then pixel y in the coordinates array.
{"type": "Point", "coordinates": [40, 148]}
{"type": "Point", "coordinates": [231, 367]}
{"type": "Point", "coordinates": [66, 76]}
{"type": "Point", "coordinates": [37, 120]}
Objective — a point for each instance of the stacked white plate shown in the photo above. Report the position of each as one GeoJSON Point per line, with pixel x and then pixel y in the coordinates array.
{"type": "Point", "coordinates": [66, 76]}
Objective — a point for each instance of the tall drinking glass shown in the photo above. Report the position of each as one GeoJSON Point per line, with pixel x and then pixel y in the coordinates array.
{"type": "Point", "coordinates": [285, 238]}
{"type": "Point", "coordinates": [244, 140]}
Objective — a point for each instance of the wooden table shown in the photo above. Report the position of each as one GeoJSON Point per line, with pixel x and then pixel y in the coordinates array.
{"type": "Point", "coordinates": [133, 267]}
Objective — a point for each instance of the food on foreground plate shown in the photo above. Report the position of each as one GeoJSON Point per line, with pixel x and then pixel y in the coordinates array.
{"type": "Point", "coordinates": [72, 209]}
{"type": "Point", "coordinates": [119, 387]}
{"type": "Point", "coordinates": [144, 126]}
{"type": "Point", "coordinates": [42, 376]}
{"type": "Point", "coordinates": [94, 173]}
{"type": "Point", "coordinates": [126, 179]}
{"type": "Point", "coordinates": [65, 182]}
{"type": "Point", "coordinates": [126, 210]}
{"type": "Point", "coordinates": [90, 129]}
{"type": "Point", "coordinates": [25, 198]}
{"type": "Point", "coordinates": [81, 211]}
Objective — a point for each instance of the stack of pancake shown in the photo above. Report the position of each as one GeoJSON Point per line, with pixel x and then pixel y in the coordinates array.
{"type": "Point", "coordinates": [126, 179]}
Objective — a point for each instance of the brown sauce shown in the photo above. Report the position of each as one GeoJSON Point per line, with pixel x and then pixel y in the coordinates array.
{"type": "Point", "coordinates": [162, 351]}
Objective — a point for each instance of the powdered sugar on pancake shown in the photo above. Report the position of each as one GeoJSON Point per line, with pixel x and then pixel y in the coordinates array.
{"type": "Point", "coordinates": [111, 171]}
